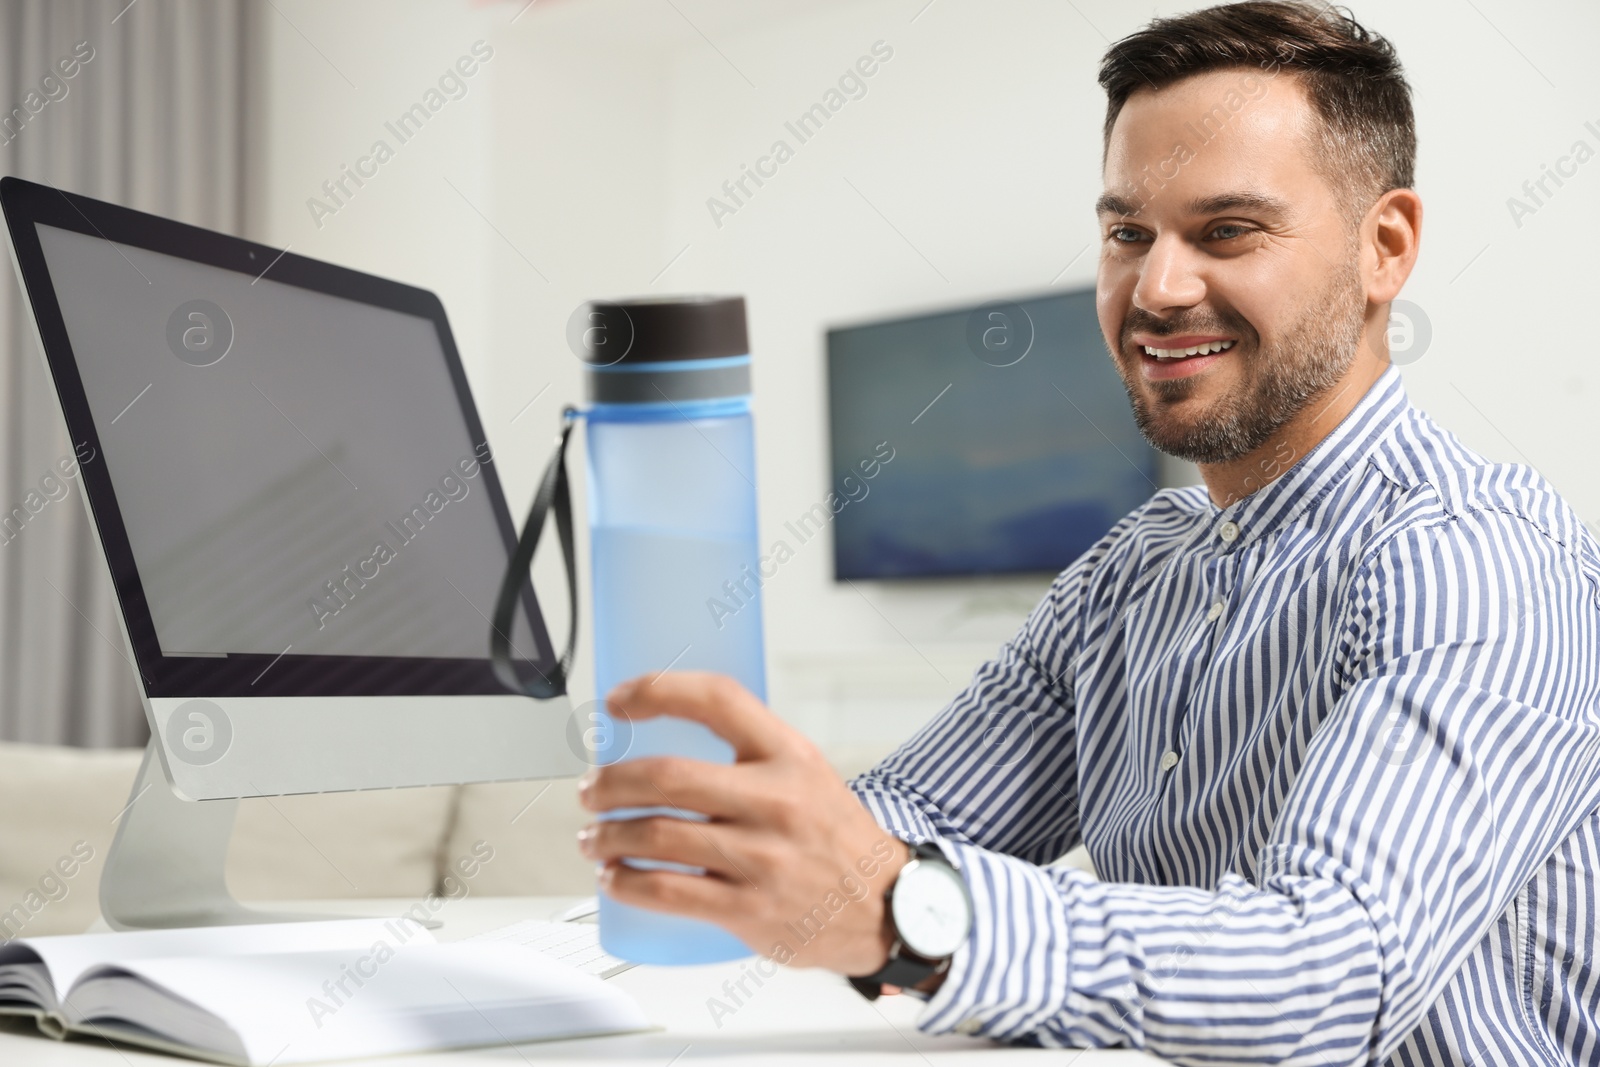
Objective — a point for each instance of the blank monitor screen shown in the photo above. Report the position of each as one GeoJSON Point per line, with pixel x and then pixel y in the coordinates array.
{"type": "Point", "coordinates": [292, 468]}
{"type": "Point", "coordinates": [1014, 445]}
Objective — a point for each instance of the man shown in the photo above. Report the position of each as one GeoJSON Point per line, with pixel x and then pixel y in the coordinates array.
{"type": "Point", "coordinates": [1329, 725]}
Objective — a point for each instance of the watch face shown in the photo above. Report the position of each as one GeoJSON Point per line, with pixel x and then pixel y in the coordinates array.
{"type": "Point", "coordinates": [931, 910]}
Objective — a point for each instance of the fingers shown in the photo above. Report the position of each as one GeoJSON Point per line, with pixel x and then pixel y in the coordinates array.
{"type": "Point", "coordinates": [670, 840]}
{"type": "Point", "coordinates": [730, 710]}
{"type": "Point", "coordinates": [713, 789]}
{"type": "Point", "coordinates": [691, 895]}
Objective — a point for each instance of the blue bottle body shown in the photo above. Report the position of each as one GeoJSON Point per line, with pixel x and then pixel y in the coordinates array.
{"type": "Point", "coordinates": [672, 516]}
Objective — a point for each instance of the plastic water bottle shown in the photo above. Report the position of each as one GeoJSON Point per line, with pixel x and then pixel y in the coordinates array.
{"type": "Point", "coordinates": [672, 518]}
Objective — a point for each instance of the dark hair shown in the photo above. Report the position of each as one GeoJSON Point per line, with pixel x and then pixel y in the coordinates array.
{"type": "Point", "coordinates": [1351, 75]}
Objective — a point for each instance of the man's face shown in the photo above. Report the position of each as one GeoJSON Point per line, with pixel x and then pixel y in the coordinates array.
{"type": "Point", "coordinates": [1219, 229]}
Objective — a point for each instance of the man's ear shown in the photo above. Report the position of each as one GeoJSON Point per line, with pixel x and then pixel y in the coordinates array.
{"type": "Point", "coordinates": [1391, 236]}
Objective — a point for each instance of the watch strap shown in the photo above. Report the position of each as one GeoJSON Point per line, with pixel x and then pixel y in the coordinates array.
{"type": "Point", "coordinates": [902, 971]}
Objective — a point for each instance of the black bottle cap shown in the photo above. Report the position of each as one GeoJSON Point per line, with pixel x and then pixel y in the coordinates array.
{"type": "Point", "coordinates": [662, 329]}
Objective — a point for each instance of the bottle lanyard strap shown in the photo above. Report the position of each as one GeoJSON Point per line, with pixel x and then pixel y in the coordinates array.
{"type": "Point", "coordinates": [553, 493]}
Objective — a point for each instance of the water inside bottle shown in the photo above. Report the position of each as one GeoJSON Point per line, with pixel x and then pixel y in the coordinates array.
{"type": "Point", "coordinates": [675, 601]}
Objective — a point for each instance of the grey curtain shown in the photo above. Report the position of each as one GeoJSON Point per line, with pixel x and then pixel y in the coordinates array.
{"type": "Point", "coordinates": [152, 117]}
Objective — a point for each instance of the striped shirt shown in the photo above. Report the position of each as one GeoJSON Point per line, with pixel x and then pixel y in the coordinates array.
{"type": "Point", "coordinates": [1334, 750]}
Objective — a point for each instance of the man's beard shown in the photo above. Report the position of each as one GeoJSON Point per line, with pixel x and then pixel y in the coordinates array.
{"type": "Point", "coordinates": [1279, 382]}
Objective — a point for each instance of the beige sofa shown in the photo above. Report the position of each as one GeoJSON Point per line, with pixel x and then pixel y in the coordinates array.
{"type": "Point", "coordinates": [59, 806]}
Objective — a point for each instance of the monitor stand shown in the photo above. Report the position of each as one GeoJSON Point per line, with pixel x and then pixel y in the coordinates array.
{"type": "Point", "coordinates": [165, 867]}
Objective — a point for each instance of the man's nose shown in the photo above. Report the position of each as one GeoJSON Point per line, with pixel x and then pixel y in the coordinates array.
{"type": "Point", "coordinates": [1169, 277]}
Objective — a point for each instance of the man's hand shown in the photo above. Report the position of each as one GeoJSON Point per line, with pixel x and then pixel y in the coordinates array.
{"type": "Point", "coordinates": [796, 866]}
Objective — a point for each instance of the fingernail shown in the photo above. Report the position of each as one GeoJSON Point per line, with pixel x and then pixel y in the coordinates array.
{"type": "Point", "coordinates": [586, 782]}
{"type": "Point", "coordinates": [620, 692]}
{"type": "Point", "coordinates": [586, 841]}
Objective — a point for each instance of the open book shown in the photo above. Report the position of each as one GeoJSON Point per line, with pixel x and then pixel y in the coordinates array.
{"type": "Point", "coordinates": [296, 992]}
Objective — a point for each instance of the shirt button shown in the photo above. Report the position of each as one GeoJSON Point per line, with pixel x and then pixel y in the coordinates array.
{"type": "Point", "coordinates": [1169, 761]}
{"type": "Point", "coordinates": [969, 1026]}
{"type": "Point", "coordinates": [1229, 532]}
{"type": "Point", "coordinates": [1215, 613]}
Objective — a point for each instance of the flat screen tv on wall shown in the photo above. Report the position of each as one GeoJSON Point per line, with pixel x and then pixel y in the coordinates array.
{"type": "Point", "coordinates": [1013, 445]}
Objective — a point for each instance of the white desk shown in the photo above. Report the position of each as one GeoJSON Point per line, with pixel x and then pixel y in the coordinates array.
{"type": "Point", "coordinates": [797, 1017]}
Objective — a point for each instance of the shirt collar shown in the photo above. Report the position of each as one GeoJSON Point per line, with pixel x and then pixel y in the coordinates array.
{"type": "Point", "coordinates": [1311, 475]}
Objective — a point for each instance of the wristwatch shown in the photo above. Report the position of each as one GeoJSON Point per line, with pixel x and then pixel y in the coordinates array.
{"type": "Point", "coordinates": [929, 913]}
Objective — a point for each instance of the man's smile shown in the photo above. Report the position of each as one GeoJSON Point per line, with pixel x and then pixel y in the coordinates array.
{"type": "Point", "coordinates": [1180, 357]}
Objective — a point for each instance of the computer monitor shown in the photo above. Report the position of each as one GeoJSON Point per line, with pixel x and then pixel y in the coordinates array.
{"type": "Point", "coordinates": [1014, 446]}
{"type": "Point", "coordinates": [297, 503]}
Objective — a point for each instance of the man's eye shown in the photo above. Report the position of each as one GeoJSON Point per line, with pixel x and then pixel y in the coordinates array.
{"type": "Point", "coordinates": [1126, 235]}
{"type": "Point", "coordinates": [1228, 231]}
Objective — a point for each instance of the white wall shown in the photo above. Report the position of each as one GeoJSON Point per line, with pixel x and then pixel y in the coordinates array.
{"type": "Point", "coordinates": [594, 137]}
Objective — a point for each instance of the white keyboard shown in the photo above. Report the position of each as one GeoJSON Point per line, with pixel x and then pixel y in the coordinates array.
{"type": "Point", "coordinates": [575, 944]}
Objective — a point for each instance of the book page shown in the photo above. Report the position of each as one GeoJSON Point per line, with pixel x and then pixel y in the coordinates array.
{"type": "Point", "coordinates": [379, 999]}
{"type": "Point", "coordinates": [25, 985]}
{"type": "Point", "coordinates": [67, 956]}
